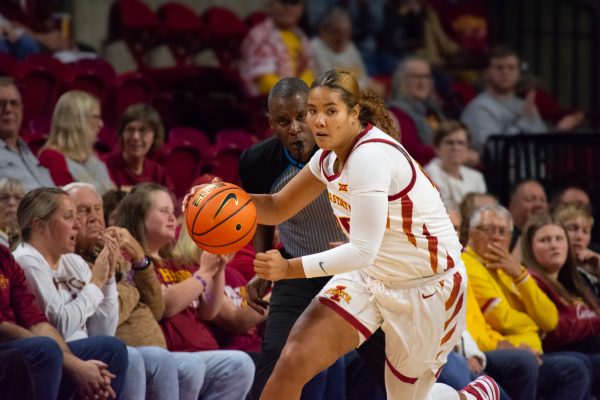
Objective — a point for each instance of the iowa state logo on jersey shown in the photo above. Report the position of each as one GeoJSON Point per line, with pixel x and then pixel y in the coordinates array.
{"type": "Point", "coordinates": [342, 187]}
{"type": "Point", "coordinates": [338, 293]}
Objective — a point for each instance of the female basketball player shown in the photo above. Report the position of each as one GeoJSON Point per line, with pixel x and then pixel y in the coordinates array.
{"type": "Point", "coordinates": [401, 268]}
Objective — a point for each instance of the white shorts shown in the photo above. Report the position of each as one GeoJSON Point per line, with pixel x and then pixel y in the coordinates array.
{"type": "Point", "coordinates": [421, 324]}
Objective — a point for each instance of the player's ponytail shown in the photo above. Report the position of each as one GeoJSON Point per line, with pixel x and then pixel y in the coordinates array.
{"type": "Point", "coordinates": [372, 108]}
{"type": "Point", "coordinates": [373, 111]}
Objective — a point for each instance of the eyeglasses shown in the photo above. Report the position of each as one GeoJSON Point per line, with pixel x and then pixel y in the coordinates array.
{"type": "Point", "coordinates": [461, 143]}
{"type": "Point", "coordinates": [4, 198]}
{"type": "Point", "coordinates": [426, 77]}
{"type": "Point", "coordinates": [490, 230]}
{"type": "Point", "coordinates": [14, 103]}
{"type": "Point", "coordinates": [144, 131]}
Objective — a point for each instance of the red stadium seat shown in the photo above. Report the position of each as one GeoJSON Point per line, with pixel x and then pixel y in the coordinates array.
{"type": "Point", "coordinates": [223, 161]}
{"type": "Point", "coordinates": [238, 138]}
{"type": "Point", "coordinates": [195, 136]}
{"type": "Point", "coordinates": [129, 88]}
{"type": "Point", "coordinates": [87, 80]}
{"type": "Point", "coordinates": [183, 161]}
{"type": "Point", "coordinates": [8, 65]}
{"type": "Point", "coordinates": [100, 67]}
{"type": "Point", "coordinates": [35, 141]}
{"type": "Point", "coordinates": [39, 79]}
{"type": "Point", "coordinates": [134, 22]}
{"type": "Point", "coordinates": [183, 31]}
{"type": "Point", "coordinates": [226, 33]}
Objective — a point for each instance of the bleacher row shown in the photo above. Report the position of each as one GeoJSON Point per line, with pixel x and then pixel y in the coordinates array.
{"type": "Point", "coordinates": [208, 115]}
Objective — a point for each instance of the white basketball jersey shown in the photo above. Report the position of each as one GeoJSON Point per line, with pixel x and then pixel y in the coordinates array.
{"type": "Point", "coordinates": [419, 240]}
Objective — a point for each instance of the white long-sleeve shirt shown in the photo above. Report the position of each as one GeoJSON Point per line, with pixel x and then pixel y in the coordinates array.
{"type": "Point", "coordinates": [400, 232]}
{"type": "Point", "coordinates": [76, 307]}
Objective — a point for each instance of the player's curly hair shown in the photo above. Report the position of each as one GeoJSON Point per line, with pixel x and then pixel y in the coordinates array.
{"type": "Point", "coordinates": [372, 107]}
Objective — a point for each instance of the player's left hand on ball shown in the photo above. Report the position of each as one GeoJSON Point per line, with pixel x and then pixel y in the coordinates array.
{"type": "Point", "coordinates": [271, 265]}
{"type": "Point", "coordinates": [193, 191]}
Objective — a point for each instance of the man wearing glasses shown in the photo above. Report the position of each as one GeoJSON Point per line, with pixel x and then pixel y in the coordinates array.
{"type": "Point", "coordinates": [515, 308]}
{"type": "Point", "coordinates": [16, 160]}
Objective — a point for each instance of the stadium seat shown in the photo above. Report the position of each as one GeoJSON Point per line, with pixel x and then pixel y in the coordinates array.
{"type": "Point", "coordinates": [183, 160]}
{"type": "Point", "coordinates": [238, 138]}
{"type": "Point", "coordinates": [183, 31]}
{"type": "Point", "coordinates": [226, 31]}
{"type": "Point", "coordinates": [127, 89]}
{"type": "Point", "coordinates": [35, 141]}
{"type": "Point", "coordinates": [40, 78]}
{"type": "Point", "coordinates": [8, 65]}
{"type": "Point", "coordinates": [195, 136]}
{"type": "Point", "coordinates": [223, 161]}
{"type": "Point", "coordinates": [134, 22]}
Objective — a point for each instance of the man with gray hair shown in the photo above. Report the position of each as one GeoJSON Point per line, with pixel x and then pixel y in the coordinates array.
{"type": "Point", "coordinates": [16, 160]}
{"type": "Point", "coordinates": [515, 309]}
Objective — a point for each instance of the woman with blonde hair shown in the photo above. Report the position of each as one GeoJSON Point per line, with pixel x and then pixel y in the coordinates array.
{"type": "Point", "coordinates": [69, 152]}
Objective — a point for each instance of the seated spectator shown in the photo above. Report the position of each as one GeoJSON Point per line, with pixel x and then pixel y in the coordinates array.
{"type": "Point", "coordinates": [470, 203]}
{"type": "Point", "coordinates": [192, 295]}
{"type": "Point", "coordinates": [515, 308]}
{"type": "Point", "coordinates": [412, 103]}
{"type": "Point", "coordinates": [161, 374]}
{"type": "Point", "coordinates": [92, 367]}
{"type": "Point", "coordinates": [413, 27]}
{"type": "Point", "coordinates": [546, 252]}
{"type": "Point", "coordinates": [447, 171]}
{"type": "Point", "coordinates": [498, 110]}
{"type": "Point", "coordinates": [111, 201]}
{"type": "Point", "coordinates": [15, 41]}
{"type": "Point", "coordinates": [527, 198]}
{"type": "Point", "coordinates": [11, 194]}
{"type": "Point", "coordinates": [69, 152]}
{"type": "Point", "coordinates": [578, 220]}
{"type": "Point", "coordinates": [16, 160]}
{"type": "Point", "coordinates": [276, 48]}
{"type": "Point", "coordinates": [141, 132]}
{"type": "Point", "coordinates": [572, 195]}
{"type": "Point", "coordinates": [35, 18]}
{"type": "Point", "coordinates": [235, 324]}
{"type": "Point", "coordinates": [333, 48]}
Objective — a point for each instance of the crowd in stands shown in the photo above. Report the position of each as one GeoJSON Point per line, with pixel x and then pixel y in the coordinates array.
{"type": "Point", "coordinates": [104, 294]}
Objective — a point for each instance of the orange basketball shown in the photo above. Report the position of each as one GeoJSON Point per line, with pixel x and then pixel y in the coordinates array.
{"type": "Point", "coordinates": [221, 218]}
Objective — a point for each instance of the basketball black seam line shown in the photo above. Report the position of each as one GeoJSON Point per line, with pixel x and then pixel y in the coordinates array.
{"type": "Point", "coordinates": [225, 220]}
{"type": "Point", "coordinates": [227, 244]}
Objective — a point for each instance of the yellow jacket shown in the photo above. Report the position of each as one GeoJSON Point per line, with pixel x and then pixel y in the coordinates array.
{"type": "Point", "coordinates": [516, 309]}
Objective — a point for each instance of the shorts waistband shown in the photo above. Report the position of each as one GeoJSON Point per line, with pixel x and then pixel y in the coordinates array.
{"type": "Point", "coordinates": [419, 282]}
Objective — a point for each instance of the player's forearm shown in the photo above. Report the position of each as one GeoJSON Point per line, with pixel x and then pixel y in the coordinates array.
{"type": "Point", "coordinates": [268, 211]}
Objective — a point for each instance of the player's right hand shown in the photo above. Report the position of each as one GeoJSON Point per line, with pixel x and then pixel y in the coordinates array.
{"type": "Point", "coordinates": [193, 191]}
{"type": "Point", "coordinates": [256, 289]}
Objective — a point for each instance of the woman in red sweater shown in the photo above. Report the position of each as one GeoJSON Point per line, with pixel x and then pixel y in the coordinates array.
{"type": "Point", "coordinates": [140, 132]}
{"type": "Point", "coordinates": [547, 255]}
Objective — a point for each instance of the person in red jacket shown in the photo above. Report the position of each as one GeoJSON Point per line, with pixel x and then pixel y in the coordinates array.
{"type": "Point", "coordinates": [141, 132]}
{"type": "Point", "coordinates": [546, 253]}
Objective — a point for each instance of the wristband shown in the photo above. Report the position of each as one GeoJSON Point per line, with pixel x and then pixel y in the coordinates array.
{"type": "Point", "coordinates": [202, 282]}
{"type": "Point", "coordinates": [141, 265]}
